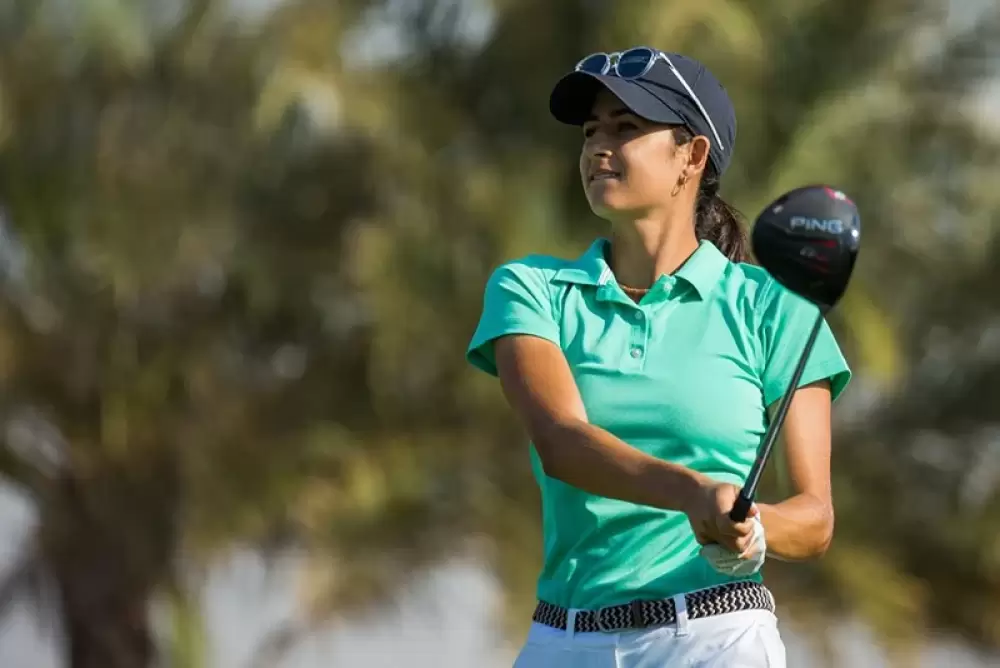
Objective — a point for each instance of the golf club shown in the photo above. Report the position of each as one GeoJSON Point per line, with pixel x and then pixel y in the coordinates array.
{"type": "Point", "coordinates": [808, 240]}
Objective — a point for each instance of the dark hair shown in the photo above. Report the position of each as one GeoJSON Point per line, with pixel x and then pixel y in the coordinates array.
{"type": "Point", "coordinates": [715, 219]}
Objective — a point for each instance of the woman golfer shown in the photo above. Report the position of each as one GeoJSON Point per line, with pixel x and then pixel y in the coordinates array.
{"type": "Point", "coordinates": [643, 372]}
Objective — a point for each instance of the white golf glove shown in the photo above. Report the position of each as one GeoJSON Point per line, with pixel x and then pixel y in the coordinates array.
{"type": "Point", "coordinates": [730, 563]}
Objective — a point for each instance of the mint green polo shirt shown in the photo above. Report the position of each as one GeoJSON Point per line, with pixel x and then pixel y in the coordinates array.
{"type": "Point", "coordinates": [685, 375]}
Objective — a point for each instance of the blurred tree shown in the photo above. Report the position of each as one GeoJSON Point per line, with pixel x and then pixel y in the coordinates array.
{"type": "Point", "coordinates": [242, 257]}
{"type": "Point", "coordinates": [170, 298]}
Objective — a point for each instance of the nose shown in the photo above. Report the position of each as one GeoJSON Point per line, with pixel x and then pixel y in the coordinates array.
{"type": "Point", "coordinates": [599, 151]}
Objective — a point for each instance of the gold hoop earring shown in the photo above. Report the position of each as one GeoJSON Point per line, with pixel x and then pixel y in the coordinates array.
{"type": "Point", "coordinates": [681, 182]}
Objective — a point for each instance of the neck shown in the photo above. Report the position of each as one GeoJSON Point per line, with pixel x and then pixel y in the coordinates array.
{"type": "Point", "coordinates": [645, 249]}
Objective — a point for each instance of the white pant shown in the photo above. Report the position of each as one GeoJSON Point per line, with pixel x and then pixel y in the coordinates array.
{"type": "Point", "coordinates": [747, 639]}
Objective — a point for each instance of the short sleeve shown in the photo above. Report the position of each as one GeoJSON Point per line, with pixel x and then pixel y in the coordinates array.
{"type": "Point", "coordinates": [516, 301]}
{"type": "Point", "coordinates": [786, 322]}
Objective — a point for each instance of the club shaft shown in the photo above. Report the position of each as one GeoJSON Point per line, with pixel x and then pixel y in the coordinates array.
{"type": "Point", "coordinates": [749, 491]}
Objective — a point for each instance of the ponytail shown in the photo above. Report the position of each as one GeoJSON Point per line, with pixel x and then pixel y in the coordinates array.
{"type": "Point", "coordinates": [716, 220]}
{"type": "Point", "coordinates": [719, 222]}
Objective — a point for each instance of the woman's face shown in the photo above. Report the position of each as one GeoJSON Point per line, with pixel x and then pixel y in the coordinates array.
{"type": "Point", "coordinates": [630, 166]}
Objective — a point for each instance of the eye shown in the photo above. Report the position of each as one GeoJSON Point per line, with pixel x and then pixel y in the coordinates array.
{"type": "Point", "coordinates": [627, 126]}
{"type": "Point", "coordinates": [589, 131]}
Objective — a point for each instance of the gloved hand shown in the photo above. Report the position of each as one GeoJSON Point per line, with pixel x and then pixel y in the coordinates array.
{"type": "Point", "coordinates": [733, 564]}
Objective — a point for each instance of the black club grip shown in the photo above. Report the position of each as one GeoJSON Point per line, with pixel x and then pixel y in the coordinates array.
{"type": "Point", "coordinates": [741, 508]}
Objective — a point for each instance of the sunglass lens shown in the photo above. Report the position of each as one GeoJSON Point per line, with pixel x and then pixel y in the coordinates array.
{"type": "Point", "coordinates": [635, 62]}
{"type": "Point", "coordinates": [595, 64]}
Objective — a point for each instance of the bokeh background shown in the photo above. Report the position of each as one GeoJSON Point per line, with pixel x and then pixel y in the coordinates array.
{"type": "Point", "coordinates": [243, 245]}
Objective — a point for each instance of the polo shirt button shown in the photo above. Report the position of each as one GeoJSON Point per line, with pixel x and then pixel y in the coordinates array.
{"type": "Point", "coordinates": [636, 353]}
{"type": "Point", "coordinates": [638, 315]}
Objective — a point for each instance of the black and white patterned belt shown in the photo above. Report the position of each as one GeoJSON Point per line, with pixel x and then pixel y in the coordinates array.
{"type": "Point", "coordinates": [732, 597]}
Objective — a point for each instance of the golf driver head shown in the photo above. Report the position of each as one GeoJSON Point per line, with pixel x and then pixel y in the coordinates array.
{"type": "Point", "coordinates": [808, 240]}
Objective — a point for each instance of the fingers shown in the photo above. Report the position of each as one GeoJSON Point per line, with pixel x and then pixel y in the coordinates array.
{"type": "Point", "coordinates": [738, 545]}
{"type": "Point", "coordinates": [712, 524]}
{"type": "Point", "coordinates": [703, 535]}
{"type": "Point", "coordinates": [738, 538]}
{"type": "Point", "coordinates": [730, 553]}
{"type": "Point", "coordinates": [737, 529]}
{"type": "Point", "coordinates": [730, 543]}
{"type": "Point", "coordinates": [726, 496]}
{"type": "Point", "coordinates": [728, 528]}
{"type": "Point", "coordinates": [744, 547]}
{"type": "Point", "coordinates": [737, 535]}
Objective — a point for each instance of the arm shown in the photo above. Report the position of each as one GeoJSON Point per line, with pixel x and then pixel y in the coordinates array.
{"type": "Point", "coordinates": [801, 527]}
{"type": "Point", "coordinates": [539, 386]}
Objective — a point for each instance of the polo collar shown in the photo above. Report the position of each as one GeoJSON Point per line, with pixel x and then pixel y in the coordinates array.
{"type": "Point", "coordinates": [591, 268]}
{"type": "Point", "coordinates": [702, 270]}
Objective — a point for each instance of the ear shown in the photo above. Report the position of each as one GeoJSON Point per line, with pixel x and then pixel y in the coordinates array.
{"type": "Point", "coordinates": [697, 157]}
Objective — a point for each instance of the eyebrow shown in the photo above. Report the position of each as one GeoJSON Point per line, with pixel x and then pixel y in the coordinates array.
{"type": "Point", "coordinates": [614, 114]}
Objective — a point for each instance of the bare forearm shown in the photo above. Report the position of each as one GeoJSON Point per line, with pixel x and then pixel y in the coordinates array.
{"type": "Point", "coordinates": [797, 529]}
{"type": "Point", "coordinates": [595, 461]}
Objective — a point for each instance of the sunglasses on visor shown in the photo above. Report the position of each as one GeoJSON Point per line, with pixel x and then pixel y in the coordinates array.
{"type": "Point", "coordinates": [635, 63]}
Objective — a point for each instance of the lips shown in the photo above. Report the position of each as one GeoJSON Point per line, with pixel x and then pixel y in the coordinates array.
{"type": "Point", "coordinates": [604, 174]}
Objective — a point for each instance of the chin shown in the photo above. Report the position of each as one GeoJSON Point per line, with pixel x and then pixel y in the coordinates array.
{"type": "Point", "coordinates": [608, 201]}
{"type": "Point", "coordinates": [608, 208]}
